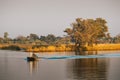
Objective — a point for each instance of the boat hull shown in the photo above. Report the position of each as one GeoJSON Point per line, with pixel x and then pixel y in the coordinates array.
{"type": "Point", "coordinates": [31, 59]}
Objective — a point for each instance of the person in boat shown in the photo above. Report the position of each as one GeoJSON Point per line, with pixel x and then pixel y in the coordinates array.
{"type": "Point", "coordinates": [32, 57]}
{"type": "Point", "coordinates": [35, 56]}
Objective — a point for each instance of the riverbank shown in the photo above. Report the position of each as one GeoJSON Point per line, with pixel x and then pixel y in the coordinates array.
{"type": "Point", "coordinates": [57, 48]}
{"type": "Point", "coordinates": [103, 47]}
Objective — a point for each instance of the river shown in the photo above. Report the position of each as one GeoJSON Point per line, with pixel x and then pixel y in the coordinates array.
{"type": "Point", "coordinates": [13, 66]}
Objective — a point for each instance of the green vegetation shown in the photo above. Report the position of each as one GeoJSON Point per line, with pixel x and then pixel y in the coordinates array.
{"type": "Point", "coordinates": [11, 47]}
{"type": "Point", "coordinates": [84, 34]}
{"type": "Point", "coordinates": [116, 39]}
{"type": "Point", "coordinates": [87, 31]}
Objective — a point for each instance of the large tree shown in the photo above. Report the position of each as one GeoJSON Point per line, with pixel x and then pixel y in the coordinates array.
{"type": "Point", "coordinates": [87, 31]}
{"type": "Point", "coordinates": [6, 37]}
{"type": "Point", "coordinates": [21, 39]}
{"type": "Point", "coordinates": [49, 39]}
{"type": "Point", "coordinates": [33, 37]}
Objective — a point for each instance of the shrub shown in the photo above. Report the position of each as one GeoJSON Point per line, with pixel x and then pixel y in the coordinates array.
{"type": "Point", "coordinates": [11, 47]}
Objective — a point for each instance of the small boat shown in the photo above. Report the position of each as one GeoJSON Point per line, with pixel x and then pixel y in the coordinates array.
{"type": "Point", "coordinates": [31, 59]}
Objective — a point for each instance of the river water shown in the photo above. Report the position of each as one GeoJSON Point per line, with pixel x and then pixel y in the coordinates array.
{"type": "Point", "coordinates": [13, 66]}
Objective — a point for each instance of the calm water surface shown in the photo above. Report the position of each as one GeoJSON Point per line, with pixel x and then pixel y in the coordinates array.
{"type": "Point", "coordinates": [13, 66]}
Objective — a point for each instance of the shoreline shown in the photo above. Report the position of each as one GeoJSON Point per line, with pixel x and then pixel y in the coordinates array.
{"type": "Point", "coordinates": [60, 48]}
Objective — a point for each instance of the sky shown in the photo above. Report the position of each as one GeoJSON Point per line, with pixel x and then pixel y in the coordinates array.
{"type": "Point", "coordinates": [43, 17]}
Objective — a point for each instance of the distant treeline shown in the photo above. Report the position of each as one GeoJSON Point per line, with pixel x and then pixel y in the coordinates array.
{"type": "Point", "coordinates": [81, 33]}
{"type": "Point", "coordinates": [50, 39]}
{"type": "Point", "coordinates": [35, 39]}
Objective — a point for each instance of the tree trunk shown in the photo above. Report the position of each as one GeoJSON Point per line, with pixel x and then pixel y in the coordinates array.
{"type": "Point", "coordinates": [78, 48]}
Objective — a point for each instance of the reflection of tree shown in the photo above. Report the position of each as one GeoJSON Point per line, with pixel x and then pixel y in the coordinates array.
{"type": "Point", "coordinates": [85, 52]}
{"type": "Point", "coordinates": [87, 69]}
{"type": "Point", "coordinates": [33, 66]}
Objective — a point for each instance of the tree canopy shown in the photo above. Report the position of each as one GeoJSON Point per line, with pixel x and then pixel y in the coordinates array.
{"type": "Point", "coordinates": [87, 30]}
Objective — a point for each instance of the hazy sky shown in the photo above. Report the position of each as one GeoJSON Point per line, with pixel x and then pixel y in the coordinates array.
{"type": "Point", "coordinates": [42, 17]}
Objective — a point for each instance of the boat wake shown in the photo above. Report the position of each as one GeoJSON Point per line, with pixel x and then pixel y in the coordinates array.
{"type": "Point", "coordinates": [81, 56]}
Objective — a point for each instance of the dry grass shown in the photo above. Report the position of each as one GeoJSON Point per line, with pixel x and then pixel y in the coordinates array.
{"type": "Point", "coordinates": [62, 48]}
{"type": "Point", "coordinates": [104, 47]}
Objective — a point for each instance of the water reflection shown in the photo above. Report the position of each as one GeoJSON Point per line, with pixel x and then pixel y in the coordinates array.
{"type": "Point", "coordinates": [86, 53]}
{"type": "Point", "coordinates": [87, 69]}
{"type": "Point", "coordinates": [62, 69]}
{"type": "Point", "coordinates": [33, 66]}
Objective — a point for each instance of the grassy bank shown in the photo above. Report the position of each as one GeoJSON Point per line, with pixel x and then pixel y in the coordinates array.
{"type": "Point", "coordinates": [11, 47]}
{"type": "Point", "coordinates": [60, 48]}
{"type": "Point", "coordinates": [103, 47]}
{"type": "Point", "coordinates": [57, 48]}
